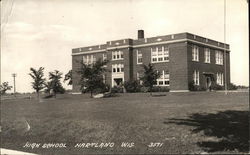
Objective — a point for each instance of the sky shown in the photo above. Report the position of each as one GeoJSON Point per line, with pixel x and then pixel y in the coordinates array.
{"type": "Point", "coordinates": [42, 33]}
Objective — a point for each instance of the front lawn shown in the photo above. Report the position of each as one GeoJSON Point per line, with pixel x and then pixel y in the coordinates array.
{"type": "Point", "coordinates": [194, 122]}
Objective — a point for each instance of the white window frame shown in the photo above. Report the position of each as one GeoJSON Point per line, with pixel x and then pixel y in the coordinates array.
{"type": "Point", "coordinates": [161, 55]}
{"type": "Point", "coordinates": [104, 78]}
{"type": "Point", "coordinates": [219, 57]}
{"type": "Point", "coordinates": [220, 79]}
{"type": "Point", "coordinates": [104, 56]}
{"type": "Point", "coordinates": [119, 68]}
{"type": "Point", "coordinates": [164, 78]}
{"type": "Point", "coordinates": [195, 53]}
{"type": "Point", "coordinates": [207, 55]}
{"type": "Point", "coordinates": [89, 59]}
{"type": "Point", "coordinates": [138, 77]}
{"type": "Point", "coordinates": [139, 56]}
{"type": "Point", "coordinates": [116, 54]}
{"type": "Point", "coordinates": [196, 77]}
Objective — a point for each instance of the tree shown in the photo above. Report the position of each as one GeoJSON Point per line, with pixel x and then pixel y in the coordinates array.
{"type": "Point", "coordinates": [68, 77]}
{"type": "Point", "coordinates": [4, 87]}
{"type": "Point", "coordinates": [55, 83]}
{"type": "Point", "coordinates": [92, 76]}
{"type": "Point", "coordinates": [38, 80]}
{"type": "Point", "coordinates": [150, 76]}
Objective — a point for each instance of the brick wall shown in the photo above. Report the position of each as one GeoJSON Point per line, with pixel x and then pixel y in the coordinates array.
{"type": "Point", "coordinates": [76, 64]}
{"type": "Point", "coordinates": [202, 67]}
{"type": "Point", "coordinates": [178, 66]}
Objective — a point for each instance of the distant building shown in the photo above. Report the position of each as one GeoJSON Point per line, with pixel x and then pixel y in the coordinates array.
{"type": "Point", "coordinates": [180, 58]}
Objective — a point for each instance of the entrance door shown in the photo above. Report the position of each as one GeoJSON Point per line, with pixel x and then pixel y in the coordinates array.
{"type": "Point", "coordinates": [208, 82]}
{"type": "Point", "coordinates": [118, 81]}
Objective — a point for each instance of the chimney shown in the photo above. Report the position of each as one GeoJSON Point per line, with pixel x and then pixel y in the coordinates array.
{"type": "Point", "coordinates": [140, 34]}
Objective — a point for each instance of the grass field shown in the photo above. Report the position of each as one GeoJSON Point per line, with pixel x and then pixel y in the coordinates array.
{"type": "Point", "coordinates": [194, 122]}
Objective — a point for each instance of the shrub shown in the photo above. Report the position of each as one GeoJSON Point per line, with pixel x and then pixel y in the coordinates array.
{"type": "Point", "coordinates": [216, 87]}
{"type": "Point", "coordinates": [132, 86]}
{"type": "Point", "coordinates": [117, 89]}
{"type": "Point", "coordinates": [144, 89]}
{"type": "Point", "coordinates": [193, 87]}
{"type": "Point", "coordinates": [232, 86]}
{"type": "Point", "coordinates": [102, 89]}
{"type": "Point", "coordinates": [160, 89]}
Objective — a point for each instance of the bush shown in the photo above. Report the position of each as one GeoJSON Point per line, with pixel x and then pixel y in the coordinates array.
{"type": "Point", "coordinates": [193, 87]}
{"type": "Point", "coordinates": [117, 89]}
{"type": "Point", "coordinates": [102, 89]}
{"type": "Point", "coordinates": [144, 89]}
{"type": "Point", "coordinates": [232, 86]}
{"type": "Point", "coordinates": [132, 86]}
{"type": "Point", "coordinates": [216, 87]}
{"type": "Point", "coordinates": [160, 89]}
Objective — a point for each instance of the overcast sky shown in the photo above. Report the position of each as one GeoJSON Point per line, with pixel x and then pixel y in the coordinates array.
{"type": "Point", "coordinates": [42, 33]}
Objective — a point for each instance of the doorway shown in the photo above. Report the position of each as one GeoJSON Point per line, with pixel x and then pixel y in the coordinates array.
{"type": "Point", "coordinates": [208, 83]}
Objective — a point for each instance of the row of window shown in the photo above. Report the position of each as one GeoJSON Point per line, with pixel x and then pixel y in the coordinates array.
{"type": "Point", "coordinates": [163, 80]}
{"type": "Point", "coordinates": [117, 55]}
{"type": "Point", "coordinates": [160, 54]}
{"type": "Point", "coordinates": [207, 57]}
{"type": "Point", "coordinates": [219, 78]}
{"type": "Point", "coordinates": [117, 68]}
{"type": "Point", "coordinates": [90, 59]}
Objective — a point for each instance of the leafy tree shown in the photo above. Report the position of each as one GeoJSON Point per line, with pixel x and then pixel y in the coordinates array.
{"type": "Point", "coordinates": [149, 77]}
{"type": "Point", "coordinates": [92, 76]}
{"type": "Point", "coordinates": [55, 83]}
{"type": "Point", "coordinates": [38, 79]}
{"type": "Point", "coordinates": [48, 87]}
{"type": "Point", "coordinates": [4, 87]}
{"type": "Point", "coordinates": [68, 77]}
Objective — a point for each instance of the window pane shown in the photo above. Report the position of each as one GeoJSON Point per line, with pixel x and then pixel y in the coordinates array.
{"type": "Point", "coordinates": [139, 60]}
{"type": "Point", "coordinates": [121, 54]}
{"type": "Point", "coordinates": [160, 82]}
{"type": "Point", "coordinates": [166, 82]}
{"type": "Point", "coordinates": [166, 58]}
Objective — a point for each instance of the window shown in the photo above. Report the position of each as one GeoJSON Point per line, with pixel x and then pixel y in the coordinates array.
{"type": "Point", "coordinates": [93, 59]}
{"type": "Point", "coordinates": [139, 57]}
{"type": "Point", "coordinates": [219, 79]}
{"type": "Point", "coordinates": [104, 56]}
{"type": "Point", "coordinates": [163, 80]}
{"type": "Point", "coordinates": [89, 59]}
{"type": "Point", "coordinates": [104, 77]}
{"type": "Point", "coordinates": [117, 55]}
{"type": "Point", "coordinates": [159, 54]}
{"type": "Point", "coordinates": [207, 55]}
{"type": "Point", "coordinates": [117, 68]}
{"type": "Point", "coordinates": [138, 77]}
{"type": "Point", "coordinates": [122, 68]}
{"type": "Point", "coordinates": [195, 53]}
{"type": "Point", "coordinates": [219, 57]}
{"type": "Point", "coordinates": [196, 77]}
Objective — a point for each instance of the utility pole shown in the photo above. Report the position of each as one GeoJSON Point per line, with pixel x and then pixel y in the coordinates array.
{"type": "Point", "coordinates": [225, 52]}
{"type": "Point", "coordinates": [14, 76]}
